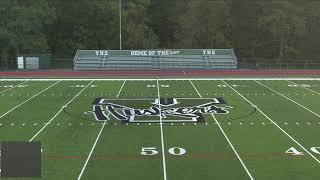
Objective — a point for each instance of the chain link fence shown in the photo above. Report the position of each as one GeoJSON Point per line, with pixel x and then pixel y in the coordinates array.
{"type": "Point", "coordinates": [243, 63]}
{"type": "Point", "coordinates": [57, 63]}
{"type": "Point", "coordinates": [277, 64]}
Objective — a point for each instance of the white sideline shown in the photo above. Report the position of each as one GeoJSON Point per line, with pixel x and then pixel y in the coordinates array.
{"type": "Point", "coordinates": [288, 98]}
{"type": "Point", "coordinates": [164, 79]}
{"type": "Point", "coordinates": [13, 87]}
{"type": "Point", "coordinates": [304, 87]}
{"type": "Point", "coordinates": [273, 122]}
{"type": "Point", "coordinates": [62, 108]}
{"type": "Point", "coordinates": [28, 100]}
{"type": "Point", "coordinates": [162, 141]}
{"type": "Point", "coordinates": [96, 141]}
{"type": "Point", "coordinates": [226, 137]}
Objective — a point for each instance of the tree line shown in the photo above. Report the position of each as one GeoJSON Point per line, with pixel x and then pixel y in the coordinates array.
{"type": "Point", "coordinates": [288, 29]}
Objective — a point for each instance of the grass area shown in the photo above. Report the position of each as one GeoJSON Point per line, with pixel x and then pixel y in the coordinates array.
{"type": "Point", "coordinates": [207, 129]}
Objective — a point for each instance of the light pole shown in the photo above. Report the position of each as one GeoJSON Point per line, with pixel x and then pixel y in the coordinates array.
{"type": "Point", "coordinates": [120, 24]}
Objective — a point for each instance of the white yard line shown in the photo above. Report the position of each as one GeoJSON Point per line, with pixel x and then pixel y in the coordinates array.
{"type": "Point", "coordinates": [28, 100]}
{"type": "Point", "coordinates": [273, 122]}
{"type": "Point", "coordinates": [195, 88]}
{"type": "Point", "coordinates": [232, 147]}
{"type": "Point", "coordinates": [120, 89]}
{"type": "Point", "coordinates": [96, 141]}
{"type": "Point", "coordinates": [13, 87]}
{"type": "Point", "coordinates": [91, 151]}
{"type": "Point", "coordinates": [226, 137]}
{"type": "Point", "coordinates": [288, 99]}
{"type": "Point", "coordinates": [162, 141]}
{"type": "Point", "coordinates": [62, 108]}
{"type": "Point", "coordinates": [304, 87]}
{"type": "Point", "coordinates": [166, 79]}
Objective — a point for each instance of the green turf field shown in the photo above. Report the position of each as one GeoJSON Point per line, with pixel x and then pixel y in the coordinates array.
{"type": "Point", "coordinates": [167, 129]}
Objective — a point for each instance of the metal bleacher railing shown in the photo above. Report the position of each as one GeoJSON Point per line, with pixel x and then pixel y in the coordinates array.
{"type": "Point", "coordinates": [173, 59]}
{"type": "Point", "coordinates": [243, 63]}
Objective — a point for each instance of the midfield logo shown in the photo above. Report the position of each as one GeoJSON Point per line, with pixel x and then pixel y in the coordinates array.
{"type": "Point", "coordinates": [171, 109]}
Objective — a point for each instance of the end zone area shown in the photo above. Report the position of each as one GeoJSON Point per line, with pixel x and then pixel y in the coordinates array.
{"type": "Point", "coordinates": [228, 128]}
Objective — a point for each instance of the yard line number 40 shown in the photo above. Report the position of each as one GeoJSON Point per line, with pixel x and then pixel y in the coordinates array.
{"type": "Point", "coordinates": [296, 152]}
{"type": "Point", "coordinates": [152, 151]}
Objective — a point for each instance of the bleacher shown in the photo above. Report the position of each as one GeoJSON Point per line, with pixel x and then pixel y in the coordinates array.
{"type": "Point", "coordinates": [173, 59]}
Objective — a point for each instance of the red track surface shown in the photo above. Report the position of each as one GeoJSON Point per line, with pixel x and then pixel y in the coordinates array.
{"type": "Point", "coordinates": [133, 74]}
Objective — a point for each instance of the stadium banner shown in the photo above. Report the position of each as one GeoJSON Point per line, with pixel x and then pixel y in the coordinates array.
{"type": "Point", "coordinates": [158, 52]}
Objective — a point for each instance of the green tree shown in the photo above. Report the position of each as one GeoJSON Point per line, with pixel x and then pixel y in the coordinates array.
{"type": "Point", "coordinates": [164, 20]}
{"type": "Point", "coordinates": [205, 24]}
{"type": "Point", "coordinates": [280, 27]}
{"type": "Point", "coordinates": [244, 31]}
{"type": "Point", "coordinates": [310, 43]}
{"type": "Point", "coordinates": [84, 24]}
{"type": "Point", "coordinates": [23, 24]}
{"type": "Point", "coordinates": [136, 29]}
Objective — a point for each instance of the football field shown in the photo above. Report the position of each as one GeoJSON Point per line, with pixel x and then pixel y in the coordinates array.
{"type": "Point", "coordinates": [167, 129]}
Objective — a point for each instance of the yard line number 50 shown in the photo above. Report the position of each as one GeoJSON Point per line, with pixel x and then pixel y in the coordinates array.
{"type": "Point", "coordinates": [152, 151]}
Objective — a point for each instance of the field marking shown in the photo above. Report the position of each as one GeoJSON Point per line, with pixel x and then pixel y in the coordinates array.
{"type": "Point", "coordinates": [288, 98]}
{"type": "Point", "coordinates": [195, 88]}
{"type": "Point", "coordinates": [120, 89]}
{"type": "Point", "coordinates": [273, 123]}
{"type": "Point", "coordinates": [91, 151]}
{"type": "Point", "coordinates": [96, 141]}
{"type": "Point", "coordinates": [161, 131]}
{"type": "Point", "coordinates": [304, 87]}
{"type": "Point", "coordinates": [226, 137]}
{"type": "Point", "coordinates": [147, 99]}
{"type": "Point", "coordinates": [28, 100]}
{"type": "Point", "coordinates": [164, 79]}
{"type": "Point", "coordinates": [62, 108]}
{"type": "Point", "coordinates": [232, 147]}
{"type": "Point", "coordinates": [13, 87]}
